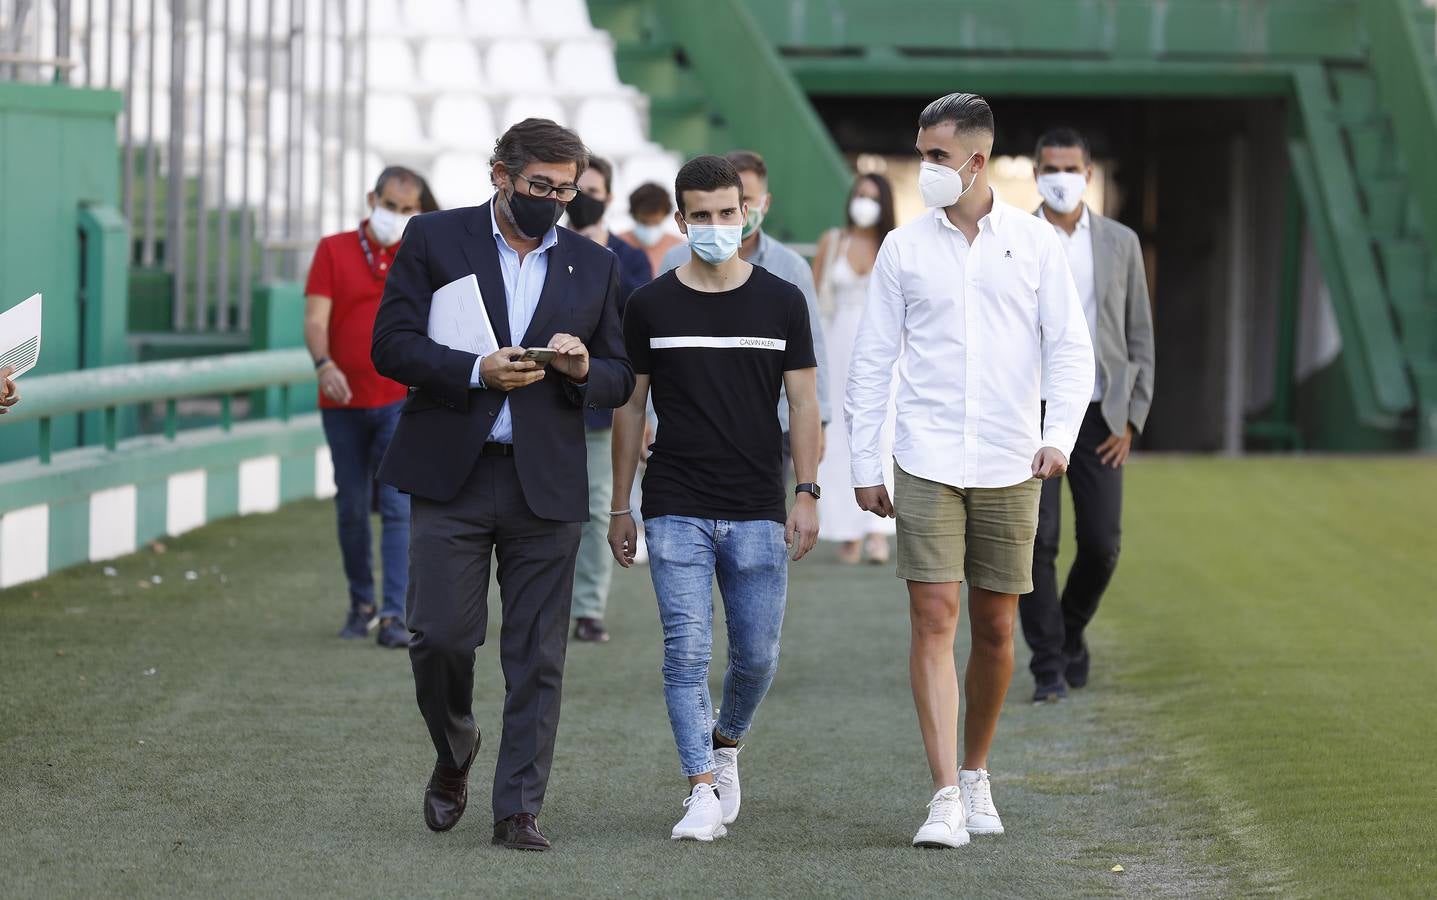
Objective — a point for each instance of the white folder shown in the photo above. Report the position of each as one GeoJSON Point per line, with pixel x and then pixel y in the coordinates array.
{"type": "Point", "coordinates": [458, 319]}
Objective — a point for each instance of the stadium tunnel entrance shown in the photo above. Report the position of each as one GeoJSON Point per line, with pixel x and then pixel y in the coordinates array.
{"type": "Point", "coordinates": [1205, 184]}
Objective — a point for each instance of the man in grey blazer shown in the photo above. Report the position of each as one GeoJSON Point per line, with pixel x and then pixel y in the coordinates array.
{"type": "Point", "coordinates": [1107, 264]}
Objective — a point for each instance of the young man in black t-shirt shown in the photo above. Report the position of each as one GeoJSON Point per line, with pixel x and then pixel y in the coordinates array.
{"type": "Point", "coordinates": [715, 339]}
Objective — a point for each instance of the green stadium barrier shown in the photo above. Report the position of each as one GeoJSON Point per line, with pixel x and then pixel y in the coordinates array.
{"type": "Point", "coordinates": [93, 503]}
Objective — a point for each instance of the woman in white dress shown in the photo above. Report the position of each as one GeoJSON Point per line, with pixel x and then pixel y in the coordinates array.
{"type": "Point", "coordinates": [841, 270]}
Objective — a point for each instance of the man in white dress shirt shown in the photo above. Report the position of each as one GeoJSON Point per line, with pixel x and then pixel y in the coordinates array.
{"type": "Point", "coordinates": [1106, 259]}
{"type": "Point", "coordinates": [979, 294]}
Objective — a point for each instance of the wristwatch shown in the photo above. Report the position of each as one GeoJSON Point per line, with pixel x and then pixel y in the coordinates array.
{"type": "Point", "coordinates": [808, 487]}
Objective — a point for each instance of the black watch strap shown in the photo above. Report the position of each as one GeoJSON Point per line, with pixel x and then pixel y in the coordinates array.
{"type": "Point", "coordinates": [808, 487]}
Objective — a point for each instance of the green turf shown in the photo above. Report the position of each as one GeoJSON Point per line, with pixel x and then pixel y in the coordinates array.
{"type": "Point", "coordinates": [1259, 721]}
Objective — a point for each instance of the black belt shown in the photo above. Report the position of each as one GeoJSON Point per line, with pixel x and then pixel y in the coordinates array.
{"type": "Point", "coordinates": [493, 449]}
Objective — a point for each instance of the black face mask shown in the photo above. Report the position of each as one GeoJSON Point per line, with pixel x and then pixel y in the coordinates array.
{"type": "Point", "coordinates": [534, 216]}
{"type": "Point", "coordinates": [585, 210]}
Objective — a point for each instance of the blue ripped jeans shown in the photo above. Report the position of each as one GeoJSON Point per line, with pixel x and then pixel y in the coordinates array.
{"type": "Point", "coordinates": [751, 563]}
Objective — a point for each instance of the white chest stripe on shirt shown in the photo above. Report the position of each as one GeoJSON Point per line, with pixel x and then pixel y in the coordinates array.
{"type": "Point", "coordinates": [717, 343]}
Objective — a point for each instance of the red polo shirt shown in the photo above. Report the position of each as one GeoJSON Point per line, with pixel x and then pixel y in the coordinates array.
{"type": "Point", "coordinates": [343, 273]}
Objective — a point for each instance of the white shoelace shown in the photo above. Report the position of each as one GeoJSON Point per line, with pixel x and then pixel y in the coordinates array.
{"type": "Point", "coordinates": [940, 808]}
{"type": "Point", "coordinates": [724, 776]}
{"type": "Point", "coordinates": [980, 796]}
{"type": "Point", "coordinates": [693, 798]}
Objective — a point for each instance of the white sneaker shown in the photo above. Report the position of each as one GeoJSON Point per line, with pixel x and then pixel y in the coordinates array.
{"type": "Point", "coordinates": [978, 808]}
{"type": "Point", "coordinates": [726, 781]}
{"type": "Point", "coordinates": [704, 819]}
{"type": "Point", "coordinates": [944, 827]}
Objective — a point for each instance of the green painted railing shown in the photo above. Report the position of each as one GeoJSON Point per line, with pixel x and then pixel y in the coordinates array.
{"type": "Point", "coordinates": [1409, 93]}
{"type": "Point", "coordinates": [107, 389]}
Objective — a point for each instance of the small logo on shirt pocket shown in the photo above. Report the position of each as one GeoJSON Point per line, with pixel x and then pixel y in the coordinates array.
{"type": "Point", "coordinates": [1007, 254]}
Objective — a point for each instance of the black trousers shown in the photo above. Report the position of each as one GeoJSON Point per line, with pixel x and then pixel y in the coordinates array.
{"type": "Point", "coordinates": [1053, 625]}
{"type": "Point", "coordinates": [449, 557]}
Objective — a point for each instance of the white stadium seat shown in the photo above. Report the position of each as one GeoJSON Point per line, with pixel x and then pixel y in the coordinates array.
{"type": "Point", "coordinates": [560, 18]}
{"type": "Point", "coordinates": [610, 126]}
{"type": "Point", "coordinates": [433, 17]}
{"type": "Point", "coordinates": [461, 179]}
{"type": "Point", "coordinates": [585, 67]}
{"type": "Point", "coordinates": [496, 18]}
{"type": "Point", "coordinates": [392, 124]}
{"type": "Point", "coordinates": [451, 63]}
{"type": "Point", "coordinates": [521, 108]}
{"type": "Point", "coordinates": [463, 123]}
{"type": "Point", "coordinates": [385, 18]}
{"type": "Point", "coordinates": [517, 66]}
{"type": "Point", "coordinates": [660, 168]}
{"type": "Point", "coordinates": [391, 63]}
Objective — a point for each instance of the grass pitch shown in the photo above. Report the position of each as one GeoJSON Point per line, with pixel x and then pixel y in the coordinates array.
{"type": "Point", "coordinates": [1260, 720]}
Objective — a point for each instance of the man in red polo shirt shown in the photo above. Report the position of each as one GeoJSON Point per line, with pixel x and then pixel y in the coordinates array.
{"type": "Point", "coordinates": [358, 406]}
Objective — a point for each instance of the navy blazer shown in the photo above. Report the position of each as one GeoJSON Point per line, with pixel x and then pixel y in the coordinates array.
{"type": "Point", "coordinates": [445, 422]}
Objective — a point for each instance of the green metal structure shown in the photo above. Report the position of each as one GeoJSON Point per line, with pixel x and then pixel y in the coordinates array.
{"type": "Point", "coordinates": [1358, 78]}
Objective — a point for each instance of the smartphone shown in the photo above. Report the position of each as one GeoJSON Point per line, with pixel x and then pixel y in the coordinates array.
{"type": "Point", "coordinates": [541, 355]}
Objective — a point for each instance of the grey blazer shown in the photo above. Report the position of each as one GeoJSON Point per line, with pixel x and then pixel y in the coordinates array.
{"type": "Point", "coordinates": [1124, 348]}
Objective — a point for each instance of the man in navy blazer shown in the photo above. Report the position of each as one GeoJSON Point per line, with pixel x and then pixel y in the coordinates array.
{"type": "Point", "coordinates": [492, 451]}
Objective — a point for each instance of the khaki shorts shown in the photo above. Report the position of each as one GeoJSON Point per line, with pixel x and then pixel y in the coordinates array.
{"type": "Point", "coordinates": [983, 536]}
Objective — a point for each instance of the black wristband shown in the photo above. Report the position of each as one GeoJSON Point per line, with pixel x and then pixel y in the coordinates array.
{"type": "Point", "coordinates": [320, 363]}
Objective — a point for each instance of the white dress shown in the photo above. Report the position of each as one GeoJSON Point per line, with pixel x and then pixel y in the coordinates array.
{"type": "Point", "coordinates": [839, 518]}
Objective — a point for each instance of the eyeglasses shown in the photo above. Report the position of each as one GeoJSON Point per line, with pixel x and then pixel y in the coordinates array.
{"type": "Point", "coordinates": [545, 189]}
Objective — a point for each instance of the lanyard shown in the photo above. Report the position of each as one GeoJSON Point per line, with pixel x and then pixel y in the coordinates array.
{"type": "Point", "coordinates": [368, 253]}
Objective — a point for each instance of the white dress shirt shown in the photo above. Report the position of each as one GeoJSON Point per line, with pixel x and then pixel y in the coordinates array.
{"type": "Point", "coordinates": [979, 327]}
{"type": "Point", "coordinates": [523, 283]}
{"type": "Point", "coordinates": [1079, 248]}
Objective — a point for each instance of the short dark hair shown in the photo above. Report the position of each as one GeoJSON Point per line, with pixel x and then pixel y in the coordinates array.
{"type": "Point", "coordinates": [748, 161]}
{"type": "Point", "coordinates": [650, 198]}
{"type": "Point", "coordinates": [427, 203]}
{"type": "Point", "coordinates": [605, 169]}
{"type": "Point", "coordinates": [1062, 137]}
{"type": "Point", "coordinates": [967, 112]}
{"type": "Point", "coordinates": [706, 173]}
{"type": "Point", "coordinates": [542, 140]}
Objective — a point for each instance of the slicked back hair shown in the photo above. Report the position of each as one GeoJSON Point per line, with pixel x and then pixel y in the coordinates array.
{"type": "Point", "coordinates": [706, 173]}
{"type": "Point", "coordinates": [967, 112]}
{"type": "Point", "coordinates": [1062, 137]}
{"type": "Point", "coordinates": [539, 140]}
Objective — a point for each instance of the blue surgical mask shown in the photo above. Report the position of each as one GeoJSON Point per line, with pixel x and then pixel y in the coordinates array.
{"type": "Point", "coordinates": [715, 244]}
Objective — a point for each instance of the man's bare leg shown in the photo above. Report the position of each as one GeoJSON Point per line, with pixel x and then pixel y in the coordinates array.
{"type": "Point", "coordinates": [933, 614]}
{"type": "Point", "coordinates": [990, 668]}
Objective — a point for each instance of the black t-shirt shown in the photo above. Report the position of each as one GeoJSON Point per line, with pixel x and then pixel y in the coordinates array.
{"type": "Point", "coordinates": [716, 363]}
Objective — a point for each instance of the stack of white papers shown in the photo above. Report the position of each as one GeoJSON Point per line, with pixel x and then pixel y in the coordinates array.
{"type": "Point", "coordinates": [457, 318]}
{"type": "Point", "coordinates": [20, 336]}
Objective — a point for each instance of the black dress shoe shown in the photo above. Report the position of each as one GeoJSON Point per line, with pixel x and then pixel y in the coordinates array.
{"type": "Point", "coordinates": [590, 630]}
{"type": "Point", "coordinates": [520, 832]}
{"type": "Point", "coordinates": [1077, 673]}
{"type": "Point", "coordinates": [448, 792]}
{"type": "Point", "coordinates": [1049, 691]}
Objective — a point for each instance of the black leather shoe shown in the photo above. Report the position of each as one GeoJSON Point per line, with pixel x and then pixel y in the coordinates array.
{"type": "Point", "coordinates": [1049, 691]}
{"type": "Point", "coordinates": [448, 792]}
{"type": "Point", "coordinates": [590, 630]}
{"type": "Point", "coordinates": [393, 633]}
{"type": "Point", "coordinates": [1077, 673]}
{"type": "Point", "coordinates": [520, 832]}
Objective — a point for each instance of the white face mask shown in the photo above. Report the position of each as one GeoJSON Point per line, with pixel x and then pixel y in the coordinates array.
{"type": "Point", "coordinates": [387, 225]}
{"type": "Point", "coordinates": [864, 211]}
{"type": "Point", "coordinates": [1062, 191]}
{"type": "Point", "coordinates": [941, 186]}
{"type": "Point", "coordinates": [649, 235]}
